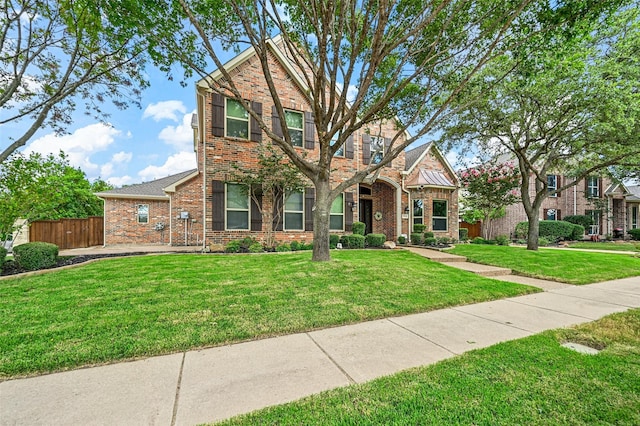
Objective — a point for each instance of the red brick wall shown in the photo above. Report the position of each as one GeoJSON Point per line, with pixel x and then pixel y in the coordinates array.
{"type": "Point", "coordinates": [121, 222]}
{"type": "Point", "coordinates": [187, 198]}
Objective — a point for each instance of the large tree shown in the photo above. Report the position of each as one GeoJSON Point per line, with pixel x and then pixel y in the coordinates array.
{"type": "Point", "coordinates": [56, 56]}
{"type": "Point", "coordinates": [404, 60]}
{"type": "Point", "coordinates": [571, 105]}
{"type": "Point", "coordinates": [38, 187]}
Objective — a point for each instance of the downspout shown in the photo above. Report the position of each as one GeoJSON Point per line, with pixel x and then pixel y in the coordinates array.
{"type": "Point", "coordinates": [204, 167]}
{"type": "Point", "coordinates": [170, 220]}
{"type": "Point", "coordinates": [404, 174]}
{"type": "Point", "coordinates": [575, 199]}
{"type": "Point", "coordinates": [104, 222]}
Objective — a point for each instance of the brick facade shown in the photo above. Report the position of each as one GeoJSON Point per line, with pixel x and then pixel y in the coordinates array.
{"type": "Point", "coordinates": [121, 221]}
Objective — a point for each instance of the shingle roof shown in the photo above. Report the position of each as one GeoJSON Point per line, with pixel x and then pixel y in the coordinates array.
{"type": "Point", "coordinates": [431, 178]}
{"type": "Point", "coordinates": [635, 193]}
{"type": "Point", "coordinates": [411, 156]}
{"type": "Point", "coordinates": [154, 188]}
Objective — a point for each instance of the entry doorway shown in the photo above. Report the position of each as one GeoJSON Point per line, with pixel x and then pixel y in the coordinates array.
{"type": "Point", "coordinates": [366, 214]}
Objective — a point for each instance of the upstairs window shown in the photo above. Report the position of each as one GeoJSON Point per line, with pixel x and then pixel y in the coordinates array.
{"type": "Point", "coordinates": [377, 149]}
{"type": "Point", "coordinates": [552, 185]}
{"type": "Point", "coordinates": [340, 151]}
{"type": "Point", "coordinates": [593, 187]}
{"type": "Point", "coordinates": [295, 123]}
{"type": "Point", "coordinates": [237, 207]}
{"type": "Point", "coordinates": [237, 119]}
{"type": "Point", "coordinates": [143, 213]}
{"type": "Point", "coordinates": [294, 211]}
{"type": "Point", "coordinates": [336, 219]}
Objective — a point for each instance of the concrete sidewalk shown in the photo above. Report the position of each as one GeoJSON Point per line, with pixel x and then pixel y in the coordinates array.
{"type": "Point", "coordinates": [217, 383]}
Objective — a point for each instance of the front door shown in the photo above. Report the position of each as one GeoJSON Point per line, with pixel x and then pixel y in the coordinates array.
{"type": "Point", "coordinates": [366, 214]}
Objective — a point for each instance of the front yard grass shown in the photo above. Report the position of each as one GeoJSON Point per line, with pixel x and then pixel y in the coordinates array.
{"type": "Point", "coordinates": [523, 382]}
{"type": "Point", "coordinates": [573, 267]}
{"type": "Point", "coordinates": [118, 309]}
{"type": "Point", "coordinates": [627, 246]}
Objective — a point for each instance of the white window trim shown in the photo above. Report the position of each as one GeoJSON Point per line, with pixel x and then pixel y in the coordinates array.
{"type": "Point", "coordinates": [226, 118]}
{"type": "Point", "coordinates": [373, 152]}
{"type": "Point", "coordinates": [555, 214]}
{"type": "Point", "coordinates": [295, 128]}
{"type": "Point", "coordinates": [413, 209]}
{"type": "Point", "coordinates": [634, 219]}
{"type": "Point", "coordinates": [593, 191]}
{"type": "Point", "coordinates": [285, 211]}
{"type": "Point", "coordinates": [227, 209]}
{"type": "Point", "coordinates": [446, 218]}
{"type": "Point", "coordinates": [138, 214]}
{"type": "Point", "coordinates": [338, 214]}
{"type": "Point", "coordinates": [334, 139]}
{"type": "Point", "coordinates": [554, 187]}
{"type": "Point", "coordinates": [595, 228]}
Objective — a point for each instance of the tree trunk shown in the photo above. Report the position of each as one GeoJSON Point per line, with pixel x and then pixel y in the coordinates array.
{"type": "Point", "coordinates": [485, 228]}
{"type": "Point", "coordinates": [534, 229]}
{"type": "Point", "coordinates": [321, 216]}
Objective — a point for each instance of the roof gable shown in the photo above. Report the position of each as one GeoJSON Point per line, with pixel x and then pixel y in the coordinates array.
{"type": "Point", "coordinates": [154, 189]}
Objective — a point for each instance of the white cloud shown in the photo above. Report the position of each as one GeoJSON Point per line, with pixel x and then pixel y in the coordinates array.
{"type": "Point", "coordinates": [122, 157]}
{"type": "Point", "coordinates": [79, 146]}
{"type": "Point", "coordinates": [119, 181]}
{"type": "Point", "coordinates": [106, 169]}
{"type": "Point", "coordinates": [164, 110]}
{"type": "Point", "coordinates": [181, 136]}
{"type": "Point", "coordinates": [176, 163]}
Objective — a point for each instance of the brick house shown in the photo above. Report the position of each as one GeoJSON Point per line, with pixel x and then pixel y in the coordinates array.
{"type": "Point", "coordinates": [610, 204]}
{"type": "Point", "coordinates": [419, 186]}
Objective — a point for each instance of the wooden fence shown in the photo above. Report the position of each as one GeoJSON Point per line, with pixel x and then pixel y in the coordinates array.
{"type": "Point", "coordinates": [69, 233]}
{"type": "Point", "coordinates": [474, 229]}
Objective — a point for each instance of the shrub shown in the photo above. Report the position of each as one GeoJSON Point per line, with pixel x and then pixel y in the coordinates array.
{"type": "Point", "coordinates": [635, 233]}
{"type": "Point", "coordinates": [443, 240]}
{"type": "Point", "coordinates": [428, 234]}
{"type": "Point", "coordinates": [463, 233]}
{"type": "Point", "coordinates": [354, 241]}
{"type": "Point", "coordinates": [358, 228]}
{"type": "Point", "coordinates": [416, 239]}
{"type": "Point", "coordinates": [478, 240]}
{"type": "Point", "coordinates": [522, 230]}
{"type": "Point", "coordinates": [256, 248]}
{"type": "Point", "coordinates": [283, 247]}
{"type": "Point", "coordinates": [375, 240]}
{"type": "Point", "coordinates": [430, 241]}
{"type": "Point", "coordinates": [3, 255]}
{"type": "Point", "coordinates": [490, 242]}
{"type": "Point", "coordinates": [402, 239]}
{"type": "Point", "coordinates": [232, 247]}
{"type": "Point", "coordinates": [294, 246]}
{"type": "Point", "coordinates": [555, 229]}
{"type": "Point", "coordinates": [579, 219]}
{"type": "Point", "coordinates": [578, 232]}
{"type": "Point", "coordinates": [306, 246]}
{"type": "Point", "coordinates": [502, 240]}
{"type": "Point", "coordinates": [334, 239]}
{"type": "Point", "coordinates": [34, 256]}
{"type": "Point", "coordinates": [543, 242]}
{"type": "Point", "coordinates": [419, 228]}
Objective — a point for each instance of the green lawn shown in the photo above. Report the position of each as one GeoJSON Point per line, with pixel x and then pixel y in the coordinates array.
{"type": "Point", "coordinates": [628, 246]}
{"type": "Point", "coordinates": [119, 309]}
{"type": "Point", "coordinates": [574, 267]}
{"type": "Point", "coordinates": [529, 381]}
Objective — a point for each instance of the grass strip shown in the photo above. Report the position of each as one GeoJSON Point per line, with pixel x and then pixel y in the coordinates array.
{"type": "Point", "coordinates": [528, 381]}
{"type": "Point", "coordinates": [627, 246]}
{"type": "Point", "coordinates": [573, 267]}
{"type": "Point", "coordinates": [119, 309]}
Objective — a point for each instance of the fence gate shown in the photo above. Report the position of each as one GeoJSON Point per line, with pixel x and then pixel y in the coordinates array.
{"type": "Point", "coordinates": [474, 229]}
{"type": "Point", "coordinates": [69, 233]}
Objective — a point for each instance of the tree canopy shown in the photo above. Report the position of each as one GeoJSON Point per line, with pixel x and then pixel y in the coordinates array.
{"type": "Point", "coordinates": [60, 54]}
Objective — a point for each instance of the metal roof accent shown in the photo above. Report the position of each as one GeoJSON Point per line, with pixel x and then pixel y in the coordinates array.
{"type": "Point", "coordinates": [431, 178]}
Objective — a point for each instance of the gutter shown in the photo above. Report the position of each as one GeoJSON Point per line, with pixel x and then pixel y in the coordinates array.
{"type": "Point", "coordinates": [404, 174]}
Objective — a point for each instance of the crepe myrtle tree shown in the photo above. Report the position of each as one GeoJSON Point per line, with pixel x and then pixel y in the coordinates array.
{"type": "Point", "coordinates": [572, 107]}
{"type": "Point", "coordinates": [403, 62]}
{"type": "Point", "coordinates": [57, 55]}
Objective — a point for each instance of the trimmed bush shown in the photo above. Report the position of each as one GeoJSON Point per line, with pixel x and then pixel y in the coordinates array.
{"type": "Point", "coordinates": [354, 241]}
{"type": "Point", "coordinates": [522, 230]}
{"type": "Point", "coordinates": [306, 246]}
{"type": "Point", "coordinates": [429, 234]}
{"type": "Point", "coordinates": [463, 234]}
{"type": "Point", "coordinates": [635, 233]}
{"type": "Point", "coordinates": [334, 239]}
{"type": "Point", "coordinates": [3, 255]}
{"type": "Point", "coordinates": [358, 228]}
{"type": "Point", "coordinates": [294, 246]}
{"type": "Point", "coordinates": [578, 232]}
{"type": "Point", "coordinates": [375, 240]}
{"type": "Point", "coordinates": [443, 240]}
{"type": "Point", "coordinates": [555, 229]}
{"type": "Point", "coordinates": [402, 239]}
{"type": "Point", "coordinates": [419, 228]}
{"type": "Point", "coordinates": [430, 241]}
{"type": "Point", "coordinates": [478, 240]}
{"type": "Point", "coordinates": [256, 248]}
{"type": "Point", "coordinates": [283, 247]}
{"type": "Point", "coordinates": [579, 219]}
{"type": "Point", "coordinates": [502, 240]}
{"type": "Point", "coordinates": [34, 256]}
{"type": "Point", "coordinates": [543, 242]}
{"type": "Point", "coordinates": [232, 247]}
{"type": "Point", "coordinates": [416, 239]}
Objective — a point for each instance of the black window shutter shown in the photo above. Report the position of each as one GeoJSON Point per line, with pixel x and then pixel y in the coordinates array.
{"type": "Point", "coordinates": [275, 122]}
{"type": "Point", "coordinates": [278, 210]}
{"type": "Point", "coordinates": [387, 145]}
{"type": "Point", "coordinates": [256, 216]}
{"type": "Point", "coordinates": [348, 149]}
{"type": "Point", "coordinates": [309, 201]}
{"type": "Point", "coordinates": [348, 214]}
{"type": "Point", "coordinates": [366, 149]}
{"type": "Point", "coordinates": [544, 214]}
{"type": "Point", "coordinates": [558, 214]}
{"type": "Point", "coordinates": [600, 188]}
{"type": "Point", "coordinates": [256, 131]}
{"type": "Point", "coordinates": [218, 205]}
{"type": "Point", "coordinates": [558, 184]}
{"type": "Point", "coordinates": [217, 104]}
{"type": "Point", "coordinates": [309, 130]}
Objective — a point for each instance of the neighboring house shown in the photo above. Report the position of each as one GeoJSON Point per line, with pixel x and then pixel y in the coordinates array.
{"type": "Point", "coordinates": [419, 186]}
{"type": "Point", "coordinates": [611, 205]}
